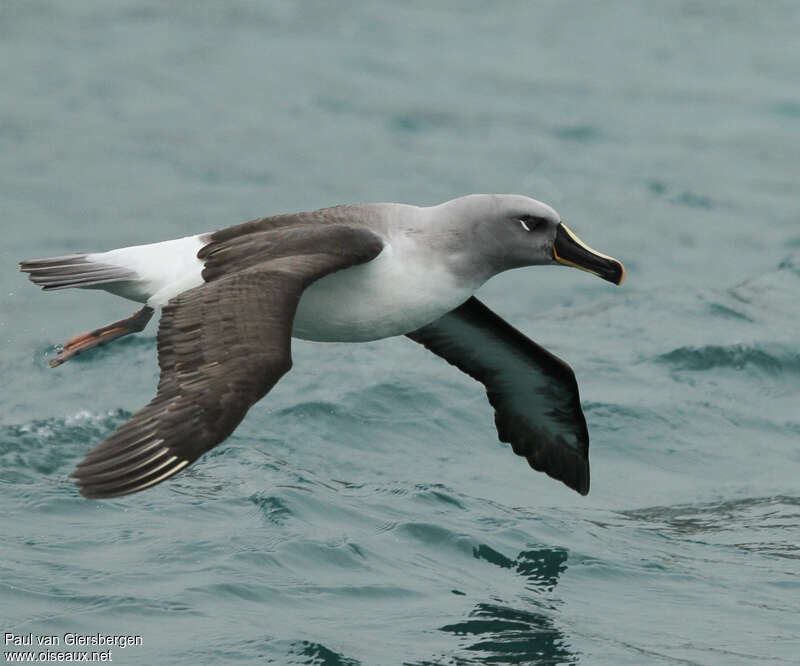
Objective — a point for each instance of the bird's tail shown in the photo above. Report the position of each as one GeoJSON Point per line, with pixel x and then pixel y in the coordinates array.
{"type": "Point", "coordinates": [74, 270]}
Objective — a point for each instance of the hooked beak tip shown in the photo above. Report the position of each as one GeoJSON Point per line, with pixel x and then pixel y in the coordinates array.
{"type": "Point", "coordinates": [622, 274]}
{"type": "Point", "coordinates": [570, 250]}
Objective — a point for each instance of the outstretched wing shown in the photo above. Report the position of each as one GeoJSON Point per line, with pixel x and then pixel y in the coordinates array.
{"type": "Point", "coordinates": [221, 347]}
{"type": "Point", "coordinates": [534, 393]}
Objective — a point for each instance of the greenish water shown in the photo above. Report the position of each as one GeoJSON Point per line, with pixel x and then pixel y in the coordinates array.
{"type": "Point", "coordinates": [364, 513]}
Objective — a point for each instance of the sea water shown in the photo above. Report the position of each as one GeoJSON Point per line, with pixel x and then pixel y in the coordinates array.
{"type": "Point", "coordinates": [365, 512]}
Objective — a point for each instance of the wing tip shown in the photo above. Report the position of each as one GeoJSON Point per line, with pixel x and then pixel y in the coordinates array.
{"type": "Point", "coordinates": [559, 462]}
{"type": "Point", "coordinates": [572, 473]}
{"type": "Point", "coordinates": [100, 486]}
{"type": "Point", "coordinates": [582, 485]}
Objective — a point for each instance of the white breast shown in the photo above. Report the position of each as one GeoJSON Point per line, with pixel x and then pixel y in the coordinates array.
{"type": "Point", "coordinates": [397, 292]}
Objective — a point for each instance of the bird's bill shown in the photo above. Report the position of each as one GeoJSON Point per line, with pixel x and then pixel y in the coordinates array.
{"type": "Point", "coordinates": [570, 250]}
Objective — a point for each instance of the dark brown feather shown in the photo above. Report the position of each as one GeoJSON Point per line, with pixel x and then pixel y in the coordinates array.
{"type": "Point", "coordinates": [221, 347]}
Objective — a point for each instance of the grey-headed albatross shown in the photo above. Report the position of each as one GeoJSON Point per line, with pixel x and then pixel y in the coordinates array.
{"type": "Point", "coordinates": [232, 300]}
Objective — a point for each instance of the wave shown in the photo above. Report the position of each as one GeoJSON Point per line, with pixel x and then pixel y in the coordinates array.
{"type": "Point", "coordinates": [501, 634]}
{"type": "Point", "coordinates": [316, 653]}
{"type": "Point", "coordinates": [45, 445]}
{"type": "Point", "coordinates": [772, 358]}
{"type": "Point", "coordinates": [767, 525]}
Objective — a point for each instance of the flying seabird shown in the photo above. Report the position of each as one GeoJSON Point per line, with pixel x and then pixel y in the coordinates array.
{"type": "Point", "coordinates": [232, 300]}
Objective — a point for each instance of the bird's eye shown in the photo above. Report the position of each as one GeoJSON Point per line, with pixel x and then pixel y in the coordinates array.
{"type": "Point", "coordinates": [530, 223]}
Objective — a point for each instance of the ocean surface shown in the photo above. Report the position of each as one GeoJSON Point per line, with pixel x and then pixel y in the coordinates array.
{"type": "Point", "coordinates": [365, 512]}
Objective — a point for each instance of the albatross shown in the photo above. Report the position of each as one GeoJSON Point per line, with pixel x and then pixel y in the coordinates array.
{"type": "Point", "coordinates": [231, 301]}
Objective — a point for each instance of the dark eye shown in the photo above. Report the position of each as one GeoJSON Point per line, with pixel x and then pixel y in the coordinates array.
{"type": "Point", "coordinates": [531, 222]}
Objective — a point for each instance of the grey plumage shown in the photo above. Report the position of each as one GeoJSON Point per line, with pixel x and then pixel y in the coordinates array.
{"type": "Point", "coordinates": [72, 270]}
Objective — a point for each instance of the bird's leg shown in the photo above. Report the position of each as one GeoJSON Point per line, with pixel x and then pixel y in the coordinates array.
{"type": "Point", "coordinates": [105, 334]}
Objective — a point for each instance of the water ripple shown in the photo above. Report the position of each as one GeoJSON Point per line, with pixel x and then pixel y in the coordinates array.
{"type": "Point", "coordinates": [766, 525]}
{"type": "Point", "coordinates": [45, 445]}
{"type": "Point", "coordinates": [771, 359]}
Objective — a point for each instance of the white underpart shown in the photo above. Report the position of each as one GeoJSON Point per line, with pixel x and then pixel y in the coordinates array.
{"type": "Point", "coordinates": [397, 292]}
{"type": "Point", "coordinates": [163, 270]}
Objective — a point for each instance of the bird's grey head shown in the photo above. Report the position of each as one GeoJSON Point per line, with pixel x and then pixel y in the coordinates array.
{"type": "Point", "coordinates": [504, 231]}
